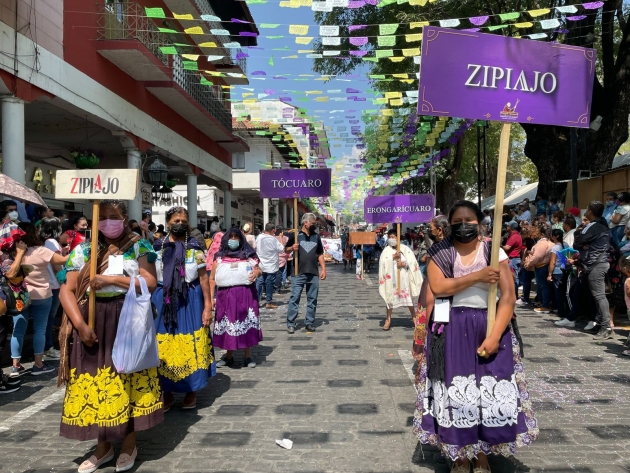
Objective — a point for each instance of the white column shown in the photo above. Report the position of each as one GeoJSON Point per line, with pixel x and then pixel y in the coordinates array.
{"type": "Point", "coordinates": [284, 215]}
{"type": "Point", "coordinates": [227, 208]}
{"type": "Point", "coordinates": [265, 212]}
{"type": "Point", "coordinates": [191, 190]}
{"type": "Point", "coordinates": [13, 138]}
{"type": "Point", "coordinates": [134, 161]}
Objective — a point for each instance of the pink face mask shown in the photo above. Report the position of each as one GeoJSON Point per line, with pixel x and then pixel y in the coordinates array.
{"type": "Point", "coordinates": [111, 228]}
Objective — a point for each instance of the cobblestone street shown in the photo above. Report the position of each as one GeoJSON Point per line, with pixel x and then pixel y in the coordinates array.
{"type": "Point", "coordinates": [345, 396]}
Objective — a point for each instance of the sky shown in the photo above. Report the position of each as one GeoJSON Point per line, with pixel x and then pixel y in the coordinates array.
{"type": "Point", "coordinates": [258, 60]}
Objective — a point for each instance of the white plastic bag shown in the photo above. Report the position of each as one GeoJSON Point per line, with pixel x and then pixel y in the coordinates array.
{"type": "Point", "coordinates": [135, 347]}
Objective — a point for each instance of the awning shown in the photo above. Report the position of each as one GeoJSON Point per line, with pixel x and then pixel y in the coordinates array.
{"type": "Point", "coordinates": [515, 197]}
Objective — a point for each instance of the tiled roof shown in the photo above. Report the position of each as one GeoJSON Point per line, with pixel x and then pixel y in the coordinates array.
{"type": "Point", "coordinates": [249, 125]}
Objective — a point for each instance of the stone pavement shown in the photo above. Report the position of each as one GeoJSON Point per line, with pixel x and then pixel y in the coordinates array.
{"type": "Point", "coordinates": [344, 396]}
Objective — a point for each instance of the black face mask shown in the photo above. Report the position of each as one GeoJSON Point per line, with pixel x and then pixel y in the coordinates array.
{"type": "Point", "coordinates": [465, 232]}
{"type": "Point", "coordinates": [81, 230]}
{"type": "Point", "coordinates": [432, 237]}
{"type": "Point", "coordinates": [179, 229]}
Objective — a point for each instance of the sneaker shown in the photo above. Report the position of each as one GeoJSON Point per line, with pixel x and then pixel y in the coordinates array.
{"type": "Point", "coordinates": [249, 363]}
{"type": "Point", "coordinates": [10, 381]}
{"type": "Point", "coordinates": [541, 310]}
{"type": "Point", "coordinates": [590, 326]}
{"type": "Point", "coordinates": [290, 330]}
{"type": "Point", "coordinates": [225, 362]}
{"type": "Point", "coordinates": [17, 372]}
{"type": "Point", "coordinates": [521, 302]}
{"type": "Point", "coordinates": [565, 323]}
{"type": "Point", "coordinates": [626, 353]}
{"type": "Point", "coordinates": [36, 371]}
{"type": "Point", "coordinates": [604, 334]}
{"type": "Point", "coordinates": [9, 388]}
{"type": "Point", "coordinates": [310, 327]}
{"type": "Point", "coordinates": [52, 354]}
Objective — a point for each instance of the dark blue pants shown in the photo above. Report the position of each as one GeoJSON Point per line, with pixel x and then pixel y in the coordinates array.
{"type": "Point", "coordinates": [298, 283]}
{"type": "Point", "coordinates": [267, 280]}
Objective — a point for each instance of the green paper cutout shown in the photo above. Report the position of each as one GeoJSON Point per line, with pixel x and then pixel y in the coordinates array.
{"type": "Point", "coordinates": [190, 65]}
{"type": "Point", "coordinates": [509, 16]}
{"type": "Point", "coordinates": [167, 30]}
{"type": "Point", "coordinates": [387, 29]}
{"type": "Point", "coordinates": [381, 53]}
{"type": "Point", "coordinates": [168, 49]}
{"type": "Point", "coordinates": [154, 12]}
{"type": "Point", "coordinates": [370, 59]}
{"type": "Point", "coordinates": [497, 27]}
{"type": "Point", "coordinates": [386, 40]}
{"type": "Point", "coordinates": [375, 76]}
{"type": "Point", "coordinates": [268, 25]}
{"type": "Point", "coordinates": [270, 61]}
{"type": "Point", "coordinates": [274, 37]}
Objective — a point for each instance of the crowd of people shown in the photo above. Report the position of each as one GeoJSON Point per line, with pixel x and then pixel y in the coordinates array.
{"type": "Point", "coordinates": [205, 290]}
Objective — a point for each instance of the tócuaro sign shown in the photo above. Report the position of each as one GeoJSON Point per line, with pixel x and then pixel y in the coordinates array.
{"type": "Point", "coordinates": [294, 183]}
{"type": "Point", "coordinates": [491, 77]}
{"type": "Point", "coordinates": [399, 208]}
{"type": "Point", "coordinates": [97, 184]}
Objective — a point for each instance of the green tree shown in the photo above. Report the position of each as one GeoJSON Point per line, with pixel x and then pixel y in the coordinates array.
{"type": "Point", "coordinates": [547, 147]}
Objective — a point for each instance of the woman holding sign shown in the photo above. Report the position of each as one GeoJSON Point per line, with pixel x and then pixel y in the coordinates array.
{"type": "Point", "coordinates": [472, 393]}
{"type": "Point", "coordinates": [395, 294]}
{"type": "Point", "coordinates": [100, 403]}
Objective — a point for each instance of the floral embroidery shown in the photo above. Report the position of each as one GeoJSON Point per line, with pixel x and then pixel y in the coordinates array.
{"type": "Point", "coordinates": [500, 408]}
{"type": "Point", "coordinates": [238, 328]}
{"type": "Point", "coordinates": [184, 353]}
{"type": "Point", "coordinates": [110, 399]}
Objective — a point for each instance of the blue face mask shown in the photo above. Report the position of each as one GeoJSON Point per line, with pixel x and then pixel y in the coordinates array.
{"type": "Point", "coordinates": [610, 203]}
{"type": "Point", "coordinates": [233, 244]}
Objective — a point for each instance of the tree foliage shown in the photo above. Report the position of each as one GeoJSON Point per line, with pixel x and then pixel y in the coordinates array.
{"type": "Point", "coordinates": [607, 30]}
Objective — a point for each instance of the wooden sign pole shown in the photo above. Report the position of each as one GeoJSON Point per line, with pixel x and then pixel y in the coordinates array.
{"type": "Point", "coordinates": [398, 250]}
{"type": "Point", "coordinates": [295, 227]}
{"type": "Point", "coordinates": [93, 262]}
{"type": "Point", "coordinates": [504, 148]}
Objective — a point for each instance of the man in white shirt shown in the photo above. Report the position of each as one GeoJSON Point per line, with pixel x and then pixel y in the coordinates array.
{"type": "Point", "coordinates": [268, 249]}
{"type": "Point", "coordinates": [525, 215]}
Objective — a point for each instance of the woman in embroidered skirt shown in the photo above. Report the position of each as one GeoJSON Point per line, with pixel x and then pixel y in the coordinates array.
{"type": "Point", "coordinates": [472, 396]}
{"type": "Point", "coordinates": [100, 403]}
{"type": "Point", "coordinates": [184, 312]}
{"type": "Point", "coordinates": [234, 271]}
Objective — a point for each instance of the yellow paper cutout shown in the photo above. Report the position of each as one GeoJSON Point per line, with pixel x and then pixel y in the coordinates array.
{"type": "Point", "coordinates": [395, 102]}
{"type": "Point", "coordinates": [249, 101]}
{"type": "Point", "coordinates": [393, 95]}
{"type": "Point", "coordinates": [186, 16]}
{"type": "Point", "coordinates": [227, 86]}
{"type": "Point", "coordinates": [214, 73]}
{"type": "Point", "coordinates": [412, 38]}
{"type": "Point", "coordinates": [208, 44]}
{"type": "Point", "coordinates": [397, 59]}
{"type": "Point", "coordinates": [418, 24]}
{"type": "Point", "coordinates": [321, 99]}
{"type": "Point", "coordinates": [388, 112]}
{"type": "Point", "coordinates": [305, 51]}
{"type": "Point", "coordinates": [411, 52]}
{"type": "Point", "coordinates": [298, 29]}
{"type": "Point", "coordinates": [290, 57]}
{"type": "Point", "coordinates": [313, 92]}
{"type": "Point", "coordinates": [400, 76]}
{"type": "Point", "coordinates": [407, 81]}
{"type": "Point", "coordinates": [194, 30]}
{"type": "Point", "coordinates": [191, 57]}
{"type": "Point", "coordinates": [304, 40]}
{"type": "Point", "coordinates": [539, 12]}
{"type": "Point", "coordinates": [247, 94]}
{"type": "Point", "coordinates": [526, 24]}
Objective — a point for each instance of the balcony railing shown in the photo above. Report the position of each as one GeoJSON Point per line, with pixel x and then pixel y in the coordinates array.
{"type": "Point", "coordinates": [125, 21]}
{"type": "Point", "coordinates": [210, 98]}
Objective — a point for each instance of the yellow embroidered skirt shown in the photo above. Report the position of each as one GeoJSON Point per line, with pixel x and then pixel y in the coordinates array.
{"type": "Point", "coordinates": [186, 354]}
{"type": "Point", "coordinates": [100, 403]}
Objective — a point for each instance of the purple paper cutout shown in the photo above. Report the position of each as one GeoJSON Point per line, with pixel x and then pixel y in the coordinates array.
{"type": "Point", "coordinates": [248, 33]}
{"type": "Point", "coordinates": [472, 30]}
{"type": "Point", "coordinates": [356, 4]}
{"type": "Point", "coordinates": [236, 20]}
{"type": "Point", "coordinates": [241, 55]}
{"type": "Point", "coordinates": [576, 18]}
{"type": "Point", "coordinates": [352, 28]}
{"type": "Point", "coordinates": [359, 40]}
{"type": "Point", "coordinates": [478, 20]}
{"type": "Point", "coordinates": [350, 90]}
{"type": "Point", "coordinates": [259, 73]}
{"type": "Point", "coordinates": [269, 91]}
{"type": "Point", "coordinates": [592, 5]}
{"type": "Point", "coordinates": [358, 53]}
{"type": "Point", "coordinates": [286, 99]}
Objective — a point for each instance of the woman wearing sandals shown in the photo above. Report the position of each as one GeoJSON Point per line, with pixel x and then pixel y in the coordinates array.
{"type": "Point", "coordinates": [234, 272]}
{"type": "Point", "coordinates": [100, 403]}
{"type": "Point", "coordinates": [184, 312]}
{"type": "Point", "coordinates": [472, 393]}
{"type": "Point", "coordinates": [389, 263]}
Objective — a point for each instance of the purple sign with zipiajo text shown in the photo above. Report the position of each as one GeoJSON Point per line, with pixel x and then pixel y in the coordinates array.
{"type": "Point", "coordinates": [399, 208]}
{"type": "Point", "coordinates": [299, 183]}
{"type": "Point", "coordinates": [491, 77]}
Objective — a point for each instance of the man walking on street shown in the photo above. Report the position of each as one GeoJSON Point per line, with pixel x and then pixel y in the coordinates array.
{"type": "Point", "coordinates": [593, 242]}
{"type": "Point", "coordinates": [310, 252]}
{"type": "Point", "coordinates": [268, 249]}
